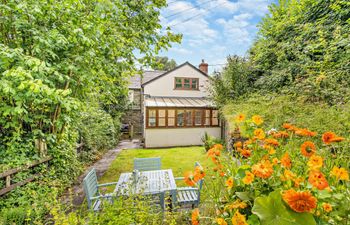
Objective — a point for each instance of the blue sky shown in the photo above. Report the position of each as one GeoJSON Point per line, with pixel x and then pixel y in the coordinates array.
{"type": "Point", "coordinates": [219, 28]}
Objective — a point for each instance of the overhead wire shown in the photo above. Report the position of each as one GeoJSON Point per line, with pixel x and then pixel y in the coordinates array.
{"type": "Point", "coordinates": [199, 14]}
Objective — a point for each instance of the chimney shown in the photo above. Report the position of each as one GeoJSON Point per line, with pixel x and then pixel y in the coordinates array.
{"type": "Point", "coordinates": [203, 67]}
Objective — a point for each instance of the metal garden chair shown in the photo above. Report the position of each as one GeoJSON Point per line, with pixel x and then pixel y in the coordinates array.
{"type": "Point", "coordinates": [91, 189]}
{"type": "Point", "coordinates": [146, 164]}
{"type": "Point", "coordinates": [189, 195]}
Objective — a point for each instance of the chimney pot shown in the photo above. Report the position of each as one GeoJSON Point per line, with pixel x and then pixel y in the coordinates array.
{"type": "Point", "coordinates": [203, 67]}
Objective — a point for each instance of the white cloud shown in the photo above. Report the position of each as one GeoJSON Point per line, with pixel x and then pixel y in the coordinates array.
{"type": "Point", "coordinates": [182, 51]}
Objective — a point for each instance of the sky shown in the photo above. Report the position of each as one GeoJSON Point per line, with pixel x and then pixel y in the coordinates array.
{"type": "Point", "coordinates": [212, 29]}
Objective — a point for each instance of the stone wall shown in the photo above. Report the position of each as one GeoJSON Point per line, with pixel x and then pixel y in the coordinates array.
{"type": "Point", "coordinates": [134, 114]}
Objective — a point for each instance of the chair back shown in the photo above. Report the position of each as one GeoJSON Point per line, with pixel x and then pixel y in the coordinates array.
{"type": "Point", "coordinates": [146, 164]}
{"type": "Point", "coordinates": [90, 186]}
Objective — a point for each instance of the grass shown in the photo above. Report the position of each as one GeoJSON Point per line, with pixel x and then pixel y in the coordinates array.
{"type": "Point", "coordinates": [180, 160]}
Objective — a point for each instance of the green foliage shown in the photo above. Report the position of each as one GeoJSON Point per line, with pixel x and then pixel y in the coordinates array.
{"type": "Point", "coordinates": [163, 63]}
{"type": "Point", "coordinates": [209, 141]}
{"type": "Point", "coordinates": [271, 210]}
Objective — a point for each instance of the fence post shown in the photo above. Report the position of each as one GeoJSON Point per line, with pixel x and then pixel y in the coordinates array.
{"type": "Point", "coordinates": [8, 181]}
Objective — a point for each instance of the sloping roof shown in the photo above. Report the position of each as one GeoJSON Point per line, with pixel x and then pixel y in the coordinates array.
{"type": "Point", "coordinates": [135, 81]}
{"type": "Point", "coordinates": [164, 74]}
{"type": "Point", "coordinates": [193, 102]}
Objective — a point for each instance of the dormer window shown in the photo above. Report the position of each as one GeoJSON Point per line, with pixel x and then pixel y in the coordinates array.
{"type": "Point", "coordinates": [185, 83]}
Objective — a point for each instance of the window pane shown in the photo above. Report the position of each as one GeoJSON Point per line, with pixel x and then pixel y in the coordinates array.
{"type": "Point", "coordinates": [215, 113]}
{"type": "Point", "coordinates": [171, 122]}
{"type": "Point", "coordinates": [188, 117]}
{"type": "Point", "coordinates": [161, 112]}
{"type": "Point", "coordinates": [215, 120]}
{"type": "Point", "coordinates": [152, 121]}
{"type": "Point", "coordinates": [207, 118]}
{"type": "Point", "coordinates": [180, 118]}
{"type": "Point", "coordinates": [161, 122]}
{"type": "Point", "coordinates": [152, 113]}
{"type": "Point", "coordinates": [187, 83]}
{"type": "Point", "coordinates": [198, 118]}
{"type": "Point", "coordinates": [194, 84]}
{"type": "Point", "coordinates": [178, 83]}
{"type": "Point", "coordinates": [171, 113]}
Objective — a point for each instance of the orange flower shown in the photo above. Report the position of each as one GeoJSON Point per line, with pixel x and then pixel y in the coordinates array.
{"type": "Point", "coordinates": [327, 207]}
{"type": "Point", "coordinates": [239, 219]}
{"type": "Point", "coordinates": [270, 149]}
{"type": "Point", "coordinates": [259, 133]}
{"type": "Point", "coordinates": [340, 173]}
{"type": "Point", "coordinates": [222, 173]}
{"type": "Point", "coordinates": [246, 153]}
{"type": "Point", "coordinates": [218, 147]}
{"type": "Point", "coordinates": [238, 144]}
{"type": "Point", "coordinates": [249, 178]}
{"type": "Point", "coordinates": [189, 179]}
{"type": "Point", "coordinates": [318, 180]}
{"type": "Point", "coordinates": [240, 117]}
{"type": "Point", "coordinates": [271, 141]}
{"type": "Point", "coordinates": [297, 181]}
{"type": "Point", "coordinates": [299, 201]}
{"type": "Point", "coordinates": [275, 161]}
{"type": "Point", "coordinates": [281, 134]}
{"type": "Point", "coordinates": [262, 169]}
{"type": "Point", "coordinates": [257, 120]}
{"type": "Point", "coordinates": [315, 162]}
{"type": "Point", "coordinates": [221, 221]}
{"type": "Point", "coordinates": [305, 132]}
{"type": "Point", "coordinates": [238, 204]}
{"type": "Point", "coordinates": [289, 127]}
{"type": "Point", "coordinates": [308, 148]}
{"type": "Point", "coordinates": [330, 137]}
{"type": "Point", "coordinates": [288, 175]}
{"type": "Point", "coordinates": [195, 217]}
{"type": "Point", "coordinates": [286, 161]}
{"type": "Point", "coordinates": [198, 173]}
{"type": "Point", "coordinates": [229, 183]}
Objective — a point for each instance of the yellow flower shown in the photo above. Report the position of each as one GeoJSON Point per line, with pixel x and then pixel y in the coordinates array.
{"type": "Point", "coordinates": [229, 183]}
{"type": "Point", "coordinates": [259, 133]}
{"type": "Point", "coordinates": [327, 207]}
{"type": "Point", "coordinates": [340, 173]}
{"type": "Point", "coordinates": [240, 117]}
{"type": "Point", "coordinates": [257, 120]}
{"type": "Point", "coordinates": [239, 219]}
{"type": "Point", "coordinates": [275, 161]}
{"type": "Point", "coordinates": [249, 177]}
{"type": "Point", "coordinates": [237, 204]}
{"type": "Point", "coordinates": [221, 221]}
{"type": "Point", "coordinates": [315, 162]}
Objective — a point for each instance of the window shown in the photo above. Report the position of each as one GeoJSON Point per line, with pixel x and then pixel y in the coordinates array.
{"type": "Point", "coordinates": [152, 117]}
{"type": "Point", "coordinates": [181, 117]}
{"type": "Point", "coordinates": [184, 83]}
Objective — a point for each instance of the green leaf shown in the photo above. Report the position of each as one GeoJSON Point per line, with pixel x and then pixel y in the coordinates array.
{"type": "Point", "coordinates": [272, 211]}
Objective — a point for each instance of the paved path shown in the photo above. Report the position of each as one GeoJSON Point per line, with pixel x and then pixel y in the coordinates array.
{"type": "Point", "coordinates": [101, 167]}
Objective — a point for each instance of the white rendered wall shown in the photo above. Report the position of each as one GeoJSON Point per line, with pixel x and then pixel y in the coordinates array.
{"type": "Point", "coordinates": [155, 138]}
{"type": "Point", "coordinates": [164, 86]}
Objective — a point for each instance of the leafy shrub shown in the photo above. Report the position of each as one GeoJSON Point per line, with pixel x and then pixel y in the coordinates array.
{"type": "Point", "coordinates": [13, 216]}
{"type": "Point", "coordinates": [209, 141]}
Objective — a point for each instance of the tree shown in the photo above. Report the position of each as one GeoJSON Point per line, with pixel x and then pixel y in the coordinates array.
{"type": "Point", "coordinates": [163, 63]}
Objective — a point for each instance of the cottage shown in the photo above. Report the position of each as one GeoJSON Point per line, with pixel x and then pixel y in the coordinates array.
{"type": "Point", "coordinates": [172, 108]}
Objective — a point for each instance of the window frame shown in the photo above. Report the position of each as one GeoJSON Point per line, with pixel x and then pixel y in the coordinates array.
{"type": "Point", "coordinates": [183, 83]}
{"type": "Point", "coordinates": [185, 124]}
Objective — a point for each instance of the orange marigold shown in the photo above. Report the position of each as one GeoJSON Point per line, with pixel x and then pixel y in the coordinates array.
{"type": "Point", "coordinates": [195, 217]}
{"type": "Point", "coordinates": [305, 132]}
{"type": "Point", "coordinates": [229, 183]}
{"type": "Point", "coordinates": [246, 153]}
{"type": "Point", "coordinates": [270, 149]}
{"type": "Point", "coordinates": [327, 207]}
{"type": "Point", "coordinates": [238, 144]}
{"type": "Point", "coordinates": [318, 180]}
{"type": "Point", "coordinates": [281, 134]}
{"type": "Point", "coordinates": [330, 137]}
{"type": "Point", "coordinates": [189, 179]}
{"type": "Point", "coordinates": [262, 169]}
{"type": "Point", "coordinates": [271, 141]}
{"type": "Point", "coordinates": [259, 133]}
{"type": "Point", "coordinates": [239, 219]}
{"type": "Point", "coordinates": [286, 161]}
{"type": "Point", "coordinates": [289, 127]}
{"type": "Point", "coordinates": [299, 201]}
{"type": "Point", "coordinates": [308, 148]}
{"type": "Point", "coordinates": [275, 161]}
{"type": "Point", "coordinates": [249, 178]}
{"type": "Point", "coordinates": [218, 147]}
{"type": "Point", "coordinates": [257, 120]}
{"type": "Point", "coordinates": [199, 173]}
{"type": "Point", "coordinates": [315, 162]}
{"type": "Point", "coordinates": [288, 175]}
{"type": "Point", "coordinates": [340, 173]}
{"type": "Point", "coordinates": [221, 221]}
{"type": "Point", "coordinates": [240, 117]}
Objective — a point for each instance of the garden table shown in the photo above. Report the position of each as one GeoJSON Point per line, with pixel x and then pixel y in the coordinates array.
{"type": "Point", "coordinates": [152, 182]}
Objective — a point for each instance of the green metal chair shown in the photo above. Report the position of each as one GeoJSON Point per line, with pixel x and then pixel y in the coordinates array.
{"type": "Point", "coordinates": [146, 164]}
{"type": "Point", "coordinates": [91, 189]}
{"type": "Point", "coordinates": [189, 195]}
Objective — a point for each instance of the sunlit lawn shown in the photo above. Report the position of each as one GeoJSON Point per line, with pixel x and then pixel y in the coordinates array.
{"type": "Point", "coordinates": [178, 159]}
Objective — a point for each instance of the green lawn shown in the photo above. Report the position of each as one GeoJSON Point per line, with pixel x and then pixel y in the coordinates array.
{"type": "Point", "coordinates": [178, 159]}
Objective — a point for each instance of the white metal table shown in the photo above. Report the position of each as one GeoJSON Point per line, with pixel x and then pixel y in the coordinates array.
{"type": "Point", "coordinates": [147, 183]}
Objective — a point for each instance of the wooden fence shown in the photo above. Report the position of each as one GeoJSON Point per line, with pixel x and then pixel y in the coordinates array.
{"type": "Point", "coordinates": [7, 175]}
